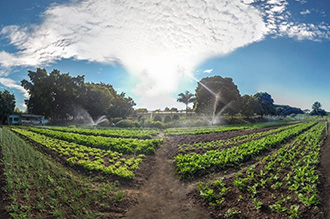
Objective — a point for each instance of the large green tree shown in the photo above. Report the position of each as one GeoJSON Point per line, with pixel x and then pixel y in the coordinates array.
{"type": "Point", "coordinates": [121, 105]}
{"type": "Point", "coordinates": [215, 93]}
{"type": "Point", "coordinates": [248, 105]}
{"type": "Point", "coordinates": [7, 104]}
{"type": "Point", "coordinates": [97, 99]}
{"type": "Point", "coordinates": [285, 110]}
{"type": "Point", "coordinates": [54, 95]}
{"type": "Point", "coordinates": [317, 110]}
{"type": "Point", "coordinates": [102, 99]}
{"type": "Point", "coordinates": [186, 98]}
{"type": "Point", "coordinates": [265, 104]}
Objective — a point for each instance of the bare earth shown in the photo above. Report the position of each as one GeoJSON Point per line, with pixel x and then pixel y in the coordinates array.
{"type": "Point", "coordinates": [164, 195]}
{"type": "Point", "coordinates": [325, 180]}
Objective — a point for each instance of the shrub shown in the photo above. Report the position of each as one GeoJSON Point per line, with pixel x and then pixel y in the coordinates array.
{"type": "Point", "coordinates": [157, 118]}
{"type": "Point", "coordinates": [167, 119]}
{"type": "Point", "coordinates": [156, 124]}
{"type": "Point", "coordinates": [126, 124]}
{"type": "Point", "coordinates": [175, 117]}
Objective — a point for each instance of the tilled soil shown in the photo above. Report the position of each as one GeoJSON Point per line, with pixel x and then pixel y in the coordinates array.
{"type": "Point", "coordinates": [189, 139]}
{"type": "Point", "coordinates": [164, 195]}
{"type": "Point", "coordinates": [325, 179]}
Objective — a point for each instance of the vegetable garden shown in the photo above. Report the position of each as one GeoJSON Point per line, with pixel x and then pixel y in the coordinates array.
{"type": "Point", "coordinates": [240, 171]}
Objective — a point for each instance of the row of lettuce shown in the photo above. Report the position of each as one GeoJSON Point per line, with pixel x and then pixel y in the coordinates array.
{"type": "Point", "coordinates": [192, 164]}
{"type": "Point", "coordinates": [113, 156]}
{"type": "Point", "coordinates": [218, 129]}
{"type": "Point", "coordinates": [284, 183]}
{"type": "Point", "coordinates": [111, 132]}
{"type": "Point", "coordinates": [219, 144]}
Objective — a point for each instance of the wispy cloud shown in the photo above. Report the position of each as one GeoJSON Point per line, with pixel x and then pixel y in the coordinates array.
{"type": "Point", "coordinates": [301, 1]}
{"type": "Point", "coordinates": [305, 12]}
{"type": "Point", "coordinates": [158, 41]}
{"type": "Point", "coordinates": [7, 82]}
{"type": "Point", "coordinates": [208, 71]}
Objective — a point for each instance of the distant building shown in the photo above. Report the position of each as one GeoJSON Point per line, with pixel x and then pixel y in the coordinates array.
{"type": "Point", "coordinates": [26, 119]}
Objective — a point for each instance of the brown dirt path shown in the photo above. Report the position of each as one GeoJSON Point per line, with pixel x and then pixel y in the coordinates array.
{"type": "Point", "coordinates": [164, 195]}
{"type": "Point", "coordinates": [325, 180]}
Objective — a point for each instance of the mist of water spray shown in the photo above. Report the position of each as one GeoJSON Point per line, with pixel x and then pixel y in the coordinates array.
{"type": "Point", "coordinates": [103, 119]}
{"type": "Point", "coordinates": [217, 98]}
{"type": "Point", "coordinates": [83, 116]}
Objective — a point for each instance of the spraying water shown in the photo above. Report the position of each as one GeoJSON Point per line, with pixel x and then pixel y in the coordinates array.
{"type": "Point", "coordinates": [217, 98]}
{"type": "Point", "coordinates": [83, 116]}
{"type": "Point", "coordinates": [102, 119]}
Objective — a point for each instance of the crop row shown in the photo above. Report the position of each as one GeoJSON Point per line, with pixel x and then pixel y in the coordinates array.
{"type": "Point", "coordinates": [189, 164]}
{"type": "Point", "coordinates": [288, 177]}
{"type": "Point", "coordinates": [89, 158]}
{"type": "Point", "coordinates": [231, 141]}
{"type": "Point", "coordinates": [202, 130]}
{"type": "Point", "coordinates": [122, 145]}
{"type": "Point", "coordinates": [36, 187]}
{"type": "Point", "coordinates": [112, 132]}
{"type": "Point", "coordinates": [217, 129]}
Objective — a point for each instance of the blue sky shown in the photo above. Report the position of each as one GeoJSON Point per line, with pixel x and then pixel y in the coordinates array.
{"type": "Point", "coordinates": [153, 50]}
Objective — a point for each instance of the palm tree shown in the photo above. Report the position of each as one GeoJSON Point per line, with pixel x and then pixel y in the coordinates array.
{"type": "Point", "coordinates": [186, 98]}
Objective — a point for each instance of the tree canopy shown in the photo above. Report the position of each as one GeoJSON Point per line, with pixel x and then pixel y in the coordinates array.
{"type": "Point", "coordinates": [54, 95]}
{"type": "Point", "coordinates": [7, 104]}
{"type": "Point", "coordinates": [284, 110]}
{"type": "Point", "coordinates": [317, 110]}
{"type": "Point", "coordinates": [265, 104]}
{"type": "Point", "coordinates": [58, 96]}
{"type": "Point", "coordinates": [248, 105]}
{"type": "Point", "coordinates": [216, 89]}
{"type": "Point", "coordinates": [186, 98]}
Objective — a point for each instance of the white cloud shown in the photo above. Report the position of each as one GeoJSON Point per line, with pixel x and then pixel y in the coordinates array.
{"type": "Point", "coordinates": [301, 1]}
{"type": "Point", "coordinates": [7, 82]}
{"type": "Point", "coordinates": [157, 41]}
{"type": "Point", "coordinates": [305, 12]}
{"type": "Point", "coordinates": [280, 22]}
{"type": "Point", "coordinates": [208, 71]}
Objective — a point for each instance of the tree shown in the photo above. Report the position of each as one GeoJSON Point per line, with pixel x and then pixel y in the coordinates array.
{"type": "Point", "coordinates": [121, 106]}
{"type": "Point", "coordinates": [7, 104]}
{"type": "Point", "coordinates": [316, 106]}
{"type": "Point", "coordinates": [248, 105]}
{"type": "Point", "coordinates": [265, 104]}
{"type": "Point", "coordinates": [53, 95]}
{"type": "Point", "coordinates": [60, 96]}
{"type": "Point", "coordinates": [213, 94]}
{"type": "Point", "coordinates": [97, 99]}
{"type": "Point", "coordinates": [142, 110]}
{"type": "Point", "coordinates": [317, 110]}
{"type": "Point", "coordinates": [186, 98]}
{"type": "Point", "coordinates": [284, 110]}
{"type": "Point", "coordinates": [173, 109]}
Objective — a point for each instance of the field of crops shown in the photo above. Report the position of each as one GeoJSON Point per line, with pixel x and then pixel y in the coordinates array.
{"type": "Point", "coordinates": [37, 187]}
{"type": "Point", "coordinates": [282, 184]}
{"type": "Point", "coordinates": [239, 171]}
{"type": "Point", "coordinates": [113, 156]}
